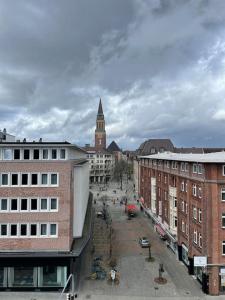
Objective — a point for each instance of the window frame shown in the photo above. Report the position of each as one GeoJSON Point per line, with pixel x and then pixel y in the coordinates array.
{"type": "Point", "coordinates": [18, 179]}
{"type": "Point", "coordinates": [28, 179]}
{"type": "Point", "coordinates": [10, 208]}
{"type": "Point", "coordinates": [30, 204]}
{"type": "Point", "coordinates": [222, 192]}
{"type": "Point", "coordinates": [57, 204]}
{"type": "Point", "coordinates": [31, 174]}
{"type": "Point", "coordinates": [54, 184]}
{"type": "Point", "coordinates": [7, 209]}
{"type": "Point", "coordinates": [56, 230]}
{"type": "Point", "coordinates": [8, 175]}
{"type": "Point", "coordinates": [28, 207]}
{"type": "Point", "coordinates": [7, 230]}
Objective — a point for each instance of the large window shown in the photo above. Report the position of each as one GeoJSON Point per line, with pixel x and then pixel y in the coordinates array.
{"type": "Point", "coordinates": [14, 179]}
{"type": "Point", "coordinates": [33, 229]}
{"type": "Point", "coordinates": [54, 179]}
{"type": "Point", "coordinates": [16, 153]}
{"type": "Point", "coordinates": [14, 205]}
{"type": "Point", "coordinates": [4, 204]}
{"type": "Point", "coordinates": [13, 229]}
{"type": "Point", "coordinates": [44, 179]}
{"type": "Point", "coordinates": [24, 179]}
{"type": "Point", "coordinates": [7, 154]}
{"type": "Point", "coordinates": [223, 220]}
{"type": "Point", "coordinates": [195, 237]}
{"type": "Point", "coordinates": [33, 204]}
{"type": "Point", "coordinates": [223, 194]}
{"type": "Point", "coordinates": [54, 153]}
{"type": "Point", "coordinates": [53, 229]}
{"type": "Point", "coordinates": [26, 154]}
{"type": "Point", "coordinates": [44, 204]}
{"type": "Point", "coordinates": [223, 248]}
{"type": "Point", "coordinates": [23, 204]}
{"type": "Point", "coordinates": [22, 277]}
{"type": "Point", "coordinates": [3, 229]}
{"type": "Point", "coordinates": [36, 154]}
{"type": "Point", "coordinates": [34, 179]}
{"type": "Point", "coordinates": [194, 190]}
{"type": "Point", "coordinates": [45, 154]}
{"type": "Point", "coordinates": [51, 276]}
{"type": "Point", "coordinates": [62, 153]}
{"type": "Point", "coordinates": [195, 213]}
{"type": "Point", "coordinates": [23, 230]}
{"type": "Point", "coordinates": [5, 179]}
{"type": "Point", "coordinates": [43, 229]}
{"type": "Point", "coordinates": [195, 168]}
{"type": "Point", "coordinates": [53, 204]}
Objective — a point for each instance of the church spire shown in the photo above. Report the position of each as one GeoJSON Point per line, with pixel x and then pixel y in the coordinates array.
{"type": "Point", "coordinates": [100, 110]}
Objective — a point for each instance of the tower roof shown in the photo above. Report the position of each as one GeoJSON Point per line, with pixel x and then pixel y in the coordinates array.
{"type": "Point", "coordinates": [100, 110]}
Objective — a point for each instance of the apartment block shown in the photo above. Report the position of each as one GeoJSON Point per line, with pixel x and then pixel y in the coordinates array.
{"type": "Point", "coordinates": [184, 194]}
{"type": "Point", "coordinates": [44, 193]}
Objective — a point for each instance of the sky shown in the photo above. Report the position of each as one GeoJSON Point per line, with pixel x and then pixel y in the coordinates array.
{"type": "Point", "coordinates": [158, 66]}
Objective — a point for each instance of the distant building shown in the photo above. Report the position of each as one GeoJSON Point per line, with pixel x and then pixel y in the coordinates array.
{"type": "Point", "coordinates": [184, 194]}
{"type": "Point", "coordinates": [6, 137]}
{"type": "Point", "coordinates": [116, 151]}
{"type": "Point", "coordinates": [44, 213]}
{"type": "Point", "coordinates": [101, 161]}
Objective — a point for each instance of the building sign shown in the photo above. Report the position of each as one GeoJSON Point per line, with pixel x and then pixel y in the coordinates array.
{"type": "Point", "coordinates": [200, 261]}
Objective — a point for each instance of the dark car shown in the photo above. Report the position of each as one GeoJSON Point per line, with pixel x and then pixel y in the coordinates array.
{"type": "Point", "coordinates": [144, 242]}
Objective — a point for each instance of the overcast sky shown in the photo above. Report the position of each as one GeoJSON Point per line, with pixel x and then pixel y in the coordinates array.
{"type": "Point", "coordinates": [159, 67]}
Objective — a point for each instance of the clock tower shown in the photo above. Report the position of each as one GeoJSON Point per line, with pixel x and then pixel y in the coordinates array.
{"type": "Point", "coordinates": [100, 134]}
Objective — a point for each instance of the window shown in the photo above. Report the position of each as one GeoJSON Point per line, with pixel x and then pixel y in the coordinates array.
{"type": "Point", "coordinates": [182, 205]}
{"type": "Point", "coordinates": [23, 229]}
{"type": "Point", "coordinates": [24, 179]}
{"type": "Point", "coordinates": [194, 190]}
{"type": "Point", "coordinates": [13, 230]}
{"type": "Point", "coordinates": [175, 221]}
{"type": "Point", "coordinates": [54, 153]}
{"type": "Point", "coordinates": [186, 167]}
{"type": "Point", "coordinates": [14, 179]}
{"type": "Point", "coordinates": [183, 226]}
{"type": "Point", "coordinates": [62, 153]}
{"type": "Point", "coordinates": [34, 179]}
{"type": "Point", "coordinates": [182, 186]}
{"type": "Point", "coordinates": [223, 170]}
{"type": "Point", "coordinates": [186, 187]}
{"type": "Point", "coordinates": [43, 229]}
{"type": "Point", "coordinates": [200, 215]}
{"type": "Point", "coordinates": [200, 192]}
{"type": "Point", "coordinates": [4, 204]}
{"type": "Point", "coordinates": [200, 240]}
{"type": "Point", "coordinates": [53, 204]}
{"type": "Point", "coordinates": [223, 220]}
{"type": "Point", "coordinates": [16, 154]}
{"type": "Point", "coordinates": [36, 154]}
{"type": "Point", "coordinates": [223, 194]}
{"type": "Point", "coordinates": [44, 204]}
{"type": "Point", "coordinates": [5, 179]}
{"type": "Point", "coordinates": [175, 202]}
{"type": "Point", "coordinates": [3, 230]}
{"type": "Point", "coordinates": [7, 154]}
{"type": "Point", "coordinates": [195, 213]}
{"type": "Point", "coordinates": [174, 164]}
{"type": "Point", "coordinates": [223, 247]}
{"type": "Point", "coordinates": [168, 164]}
{"type": "Point", "coordinates": [44, 179]}
{"type": "Point", "coordinates": [23, 204]}
{"type": "Point", "coordinates": [165, 179]}
{"type": "Point", "coordinates": [186, 208]}
{"type": "Point", "coordinates": [14, 205]}
{"type": "Point", "coordinates": [182, 166]}
{"type": "Point", "coordinates": [45, 153]}
{"type": "Point", "coordinates": [53, 229]}
{"type": "Point", "coordinates": [26, 154]}
{"type": "Point", "coordinates": [195, 237]}
{"type": "Point", "coordinates": [54, 179]}
{"type": "Point", "coordinates": [33, 204]}
{"type": "Point", "coordinates": [195, 168]}
{"type": "Point", "coordinates": [199, 168]}
{"type": "Point", "coordinates": [33, 229]}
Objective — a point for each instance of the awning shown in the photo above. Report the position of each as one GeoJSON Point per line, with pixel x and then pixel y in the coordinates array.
{"type": "Point", "coordinates": [160, 231]}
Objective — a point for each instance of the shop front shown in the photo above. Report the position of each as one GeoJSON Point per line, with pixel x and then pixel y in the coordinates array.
{"type": "Point", "coordinates": [184, 255]}
{"type": "Point", "coordinates": [222, 279]}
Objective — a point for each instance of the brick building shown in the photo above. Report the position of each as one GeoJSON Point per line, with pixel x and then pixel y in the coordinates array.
{"type": "Point", "coordinates": [184, 194]}
{"type": "Point", "coordinates": [44, 196]}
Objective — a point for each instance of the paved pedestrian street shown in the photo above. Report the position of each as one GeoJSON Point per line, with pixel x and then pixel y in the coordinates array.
{"type": "Point", "coordinates": [136, 274]}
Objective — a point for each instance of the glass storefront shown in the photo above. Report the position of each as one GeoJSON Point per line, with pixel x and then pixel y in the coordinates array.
{"type": "Point", "coordinates": [185, 255]}
{"type": "Point", "coordinates": [198, 273]}
{"type": "Point", "coordinates": [31, 277]}
{"type": "Point", "coordinates": [222, 280]}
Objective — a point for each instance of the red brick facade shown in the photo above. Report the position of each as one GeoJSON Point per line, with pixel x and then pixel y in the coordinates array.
{"type": "Point", "coordinates": [199, 209]}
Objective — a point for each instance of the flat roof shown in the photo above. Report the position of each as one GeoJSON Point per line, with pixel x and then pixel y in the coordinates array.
{"type": "Point", "coordinates": [214, 157]}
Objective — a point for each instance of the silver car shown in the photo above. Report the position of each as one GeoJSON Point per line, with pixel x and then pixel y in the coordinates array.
{"type": "Point", "coordinates": [144, 242]}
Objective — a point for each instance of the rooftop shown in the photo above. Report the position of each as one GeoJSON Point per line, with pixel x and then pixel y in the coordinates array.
{"type": "Point", "coordinates": [215, 157]}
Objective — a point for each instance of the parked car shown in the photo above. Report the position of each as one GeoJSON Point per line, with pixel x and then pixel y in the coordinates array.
{"type": "Point", "coordinates": [144, 242]}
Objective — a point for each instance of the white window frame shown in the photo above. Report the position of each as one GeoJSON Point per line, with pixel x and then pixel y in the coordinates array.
{"type": "Point", "coordinates": [57, 204]}
{"type": "Point", "coordinates": [18, 205]}
{"type": "Point", "coordinates": [182, 226]}
{"type": "Point", "coordinates": [223, 217]}
{"type": "Point", "coordinates": [38, 207]}
{"type": "Point", "coordinates": [37, 230]}
{"type": "Point", "coordinates": [16, 159]}
{"type": "Point", "coordinates": [195, 168]}
{"type": "Point", "coordinates": [42, 184]}
{"type": "Point", "coordinates": [56, 153]}
{"type": "Point", "coordinates": [55, 235]}
{"type": "Point", "coordinates": [28, 204]}
{"type": "Point", "coordinates": [4, 210]}
{"type": "Point", "coordinates": [222, 192]}
{"type": "Point", "coordinates": [199, 215]}
{"type": "Point", "coordinates": [17, 231]}
{"type": "Point", "coordinates": [200, 240]}
{"type": "Point", "coordinates": [27, 225]}
{"type": "Point", "coordinates": [47, 209]}
{"type": "Point", "coordinates": [195, 236]}
{"type": "Point", "coordinates": [39, 152]}
{"type": "Point", "coordinates": [60, 151]}
{"type": "Point", "coordinates": [7, 230]}
{"type": "Point", "coordinates": [8, 174]}
{"type": "Point", "coordinates": [223, 245]}
{"type": "Point", "coordinates": [194, 189]}
{"type": "Point", "coordinates": [182, 166]}
{"type": "Point", "coordinates": [194, 213]}
{"type": "Point", "coordinates": [43, 235]}
{"type": "Point", "coordinates": [38, 179]}
{"type": "Point", "coordinates": [186, 167]}
{"type": "Point", "coordinates": [182, 185]}
{"type": "Point", "coordinates": [18, 179]}
{"type": "Point", "coordinates": [199, 192]}
{"type": "Point", "coordinates": [42, 150]}
{"type": "Point", "coordinates": [223, 170]}
{"type": "Point", "coordinates": [28, 179]}
{"type": "Point", "coordinates": [50, 179]}
{"type": "Point", "coordinates": [29, 154]}
{"type": "Point", "coordinates": [182, 206]}
{"type": "Point", "coordinates": [3, 151]}
{"type": "Point", "coordinates": [200, 168]}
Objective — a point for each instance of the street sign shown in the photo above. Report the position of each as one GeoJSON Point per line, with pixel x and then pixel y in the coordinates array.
{"type": "Point", "coordinates": [200, 261]}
